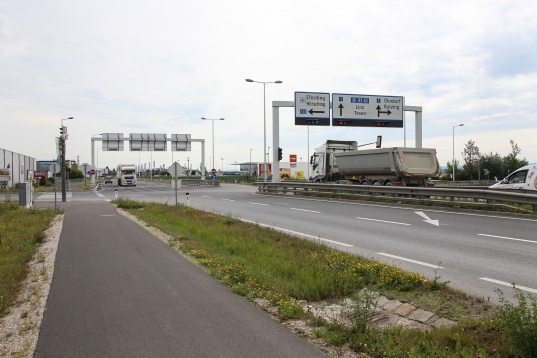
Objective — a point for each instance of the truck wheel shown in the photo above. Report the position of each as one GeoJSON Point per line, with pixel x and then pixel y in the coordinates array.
{"type": "Point", "coordinates": [376, 182]}
{"type": "Point", "coordinates": [388, 183]}
{"type": "Point", "coordinates": [364, 182]}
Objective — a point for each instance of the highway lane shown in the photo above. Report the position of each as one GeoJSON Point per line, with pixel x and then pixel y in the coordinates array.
{"type": "Point", "coordinates": [473, 250]}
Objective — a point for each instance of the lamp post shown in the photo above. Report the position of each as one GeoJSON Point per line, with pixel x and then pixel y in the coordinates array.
{"type": "Point", "coordinates": [63, 137]}
{"type": "Point", "coordinates": [264, 126]}
{"type": "Point", "coordinates": [268, 155]}
{"type": "Point", "coordinates": [453, 162]}
{"type": "Point", "coordinates": [250, 164]}
{"type": "Point", "coordinates": [222, 159]}
{"type": "Point", "coordinates": [215, 119]}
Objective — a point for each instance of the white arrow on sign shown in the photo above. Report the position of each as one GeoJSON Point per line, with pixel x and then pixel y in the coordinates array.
{"type": "Point", "coordinates": [427, 219]}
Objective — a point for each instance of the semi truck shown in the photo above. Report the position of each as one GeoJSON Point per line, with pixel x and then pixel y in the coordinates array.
{"type": "Point", "coordinates": [341, 162]}
{"type": "Point", "coordinates": [126, 174]}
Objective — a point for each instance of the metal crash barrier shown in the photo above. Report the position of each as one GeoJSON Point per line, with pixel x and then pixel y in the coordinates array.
{"type": "Point", "coordinates": [449, 196]}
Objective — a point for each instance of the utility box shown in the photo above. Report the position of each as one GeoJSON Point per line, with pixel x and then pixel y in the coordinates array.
{"type": "Point", "coordinates": [25, 195]}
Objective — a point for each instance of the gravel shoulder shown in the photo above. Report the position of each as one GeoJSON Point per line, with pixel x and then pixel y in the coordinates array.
{"type": "Point", "coordinates": [19, 330]}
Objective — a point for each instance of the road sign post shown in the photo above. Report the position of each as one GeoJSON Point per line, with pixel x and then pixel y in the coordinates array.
{"type": "Point", "coordinates": [54, 168]}
{"type": "Point", "coordinates": [175, 171]}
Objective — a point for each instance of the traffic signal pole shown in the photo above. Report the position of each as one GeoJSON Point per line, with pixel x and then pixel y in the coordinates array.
{"type": "Point", "coordinates": [63, 170]}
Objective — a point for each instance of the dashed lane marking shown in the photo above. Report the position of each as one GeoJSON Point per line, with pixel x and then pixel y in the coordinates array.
{"type": "Point", "coordinates": [383, 221]}
{"type": "Point", "coordinates": [508, 284]}
{"type": "Point", "coordinates": [410, 260]}
{"type": "Point", "coordinates": [508, 238]}
{"type": "Point", "coordinates": [309, 211]}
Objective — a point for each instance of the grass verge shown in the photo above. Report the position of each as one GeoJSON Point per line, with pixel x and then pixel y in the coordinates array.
{"type": "Point", "coordinates": [258, 262]}
{"type": "Point", "coordinates": [21, 232]}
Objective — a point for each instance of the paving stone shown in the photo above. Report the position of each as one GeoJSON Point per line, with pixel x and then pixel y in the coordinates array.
{"type": "Point", "coordinates": [404, 309]}
{"type": "Point", "coordinates": [390, 306]}
{"type": "Point", "coordinates": [411, 324]}
{"type": "Point", "coordinates": [443, 322]}
{"type": "Point", "coordinates": [420, 315]}
{"type": "Point", "coordinates": [382, 301]}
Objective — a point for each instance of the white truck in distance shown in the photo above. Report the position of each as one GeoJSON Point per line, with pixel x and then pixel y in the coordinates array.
{"type": "Point", "coordinates": [126, 174]}
{"type": "Point", "coordinates": [341, 162]}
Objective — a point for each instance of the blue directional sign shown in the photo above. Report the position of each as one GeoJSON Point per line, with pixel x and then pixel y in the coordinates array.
{"type": "Point", "coordinates": [312, 108]}
{"type": "Point", "coordinates": [361, 110]}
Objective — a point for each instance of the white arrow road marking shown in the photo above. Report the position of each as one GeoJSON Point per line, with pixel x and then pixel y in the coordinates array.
{"type": "Point", "coordinates": [508, 238]}
{"type": "Point", "coordinates": [427, 219]}
{"type": "Point", "coordinates": [410, 260]}
{"type": "Point", "coordinates": [259, 204]}
{"type": "Point", "coordinates": [508, 284]}
{"type": "Point", "coordinates": [383, 221]}
{"type": "Point", "coordinates": [309, 211]}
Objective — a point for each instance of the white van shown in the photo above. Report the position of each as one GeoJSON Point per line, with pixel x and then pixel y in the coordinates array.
{"type": "Point", "coordinates": [522, 178]}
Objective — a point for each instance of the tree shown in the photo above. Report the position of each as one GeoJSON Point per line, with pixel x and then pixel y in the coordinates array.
{"type": "Point", "coordinates": [471, 156]}
{"type": "Point", "coordinates": [448, 172]}
{"type": "Point", "coordinates": [510, 161]}
{"type": "Point", "coordinates": [75, 173]}
{"type": "Point", "coordinates": [493, 163]}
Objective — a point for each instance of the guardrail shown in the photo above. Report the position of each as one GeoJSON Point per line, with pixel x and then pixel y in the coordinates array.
{"type": "Point", "coordinates": [456, 196]}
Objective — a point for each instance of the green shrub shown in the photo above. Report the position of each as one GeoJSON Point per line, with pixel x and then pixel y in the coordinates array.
{"type": "Point", "coordinates": [520, 322]}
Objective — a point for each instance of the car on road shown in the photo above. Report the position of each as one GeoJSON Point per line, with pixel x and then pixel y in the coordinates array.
{"type": "Point", "coordinates": [522, 178]}
{"type": "Point", "coordinates": [108, 179]}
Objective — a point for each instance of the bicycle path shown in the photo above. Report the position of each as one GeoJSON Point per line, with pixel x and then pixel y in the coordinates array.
{"type": "Point", "coordinates": [117, 291]}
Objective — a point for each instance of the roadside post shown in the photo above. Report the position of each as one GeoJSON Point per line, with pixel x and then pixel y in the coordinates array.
{"type": "Point", "coordinates": [187, 200]}
{"type": "Point", "coordinates": [54, 168]}
{"type": "Point", "coordinates": [175, 170]}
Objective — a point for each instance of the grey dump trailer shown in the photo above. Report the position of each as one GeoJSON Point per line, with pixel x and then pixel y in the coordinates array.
{"type": "Point", "coordinates": [342, 162]}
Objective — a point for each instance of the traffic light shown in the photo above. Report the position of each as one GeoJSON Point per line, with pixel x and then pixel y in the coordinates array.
{"type": "Point", "coordinates": [63, 132]}
{"type": "Point", "coordinates": [280, 155]}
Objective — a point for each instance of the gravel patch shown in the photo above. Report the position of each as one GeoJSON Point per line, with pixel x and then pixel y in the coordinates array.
{"type": "Point", "coordinates": [19, 330]}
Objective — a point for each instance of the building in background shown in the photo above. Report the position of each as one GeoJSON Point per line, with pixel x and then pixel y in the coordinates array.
{"type": "Point", "coordinates": [18, 166]}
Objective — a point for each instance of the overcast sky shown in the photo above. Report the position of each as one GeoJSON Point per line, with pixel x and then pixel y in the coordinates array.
{"type": "Point", "coordinates": [159, 66]}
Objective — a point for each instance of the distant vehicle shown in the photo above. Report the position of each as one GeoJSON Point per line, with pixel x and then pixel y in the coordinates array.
{"type": "Point", "coordinates": [522, 178]}
{"type": "Point", "coordinates": [285, 173]}
{"type": "Point", "coordinates": [108, 179]}
{"type": "Point", "coordinates": [126, 174]}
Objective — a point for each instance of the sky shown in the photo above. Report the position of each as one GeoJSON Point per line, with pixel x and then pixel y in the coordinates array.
{"type": "Point", "coordinates": [160, 66]}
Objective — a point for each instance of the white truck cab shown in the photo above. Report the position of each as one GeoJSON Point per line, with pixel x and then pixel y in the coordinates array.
{"type": "Point", "coordinates": [524, 178]}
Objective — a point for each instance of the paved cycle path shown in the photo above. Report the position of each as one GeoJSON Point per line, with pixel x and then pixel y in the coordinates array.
{"type": "Point", "coordinates": [118, 291]}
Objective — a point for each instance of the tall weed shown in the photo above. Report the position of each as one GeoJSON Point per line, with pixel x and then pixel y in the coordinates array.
{"type": "Point", "coordinates": [520, 322]}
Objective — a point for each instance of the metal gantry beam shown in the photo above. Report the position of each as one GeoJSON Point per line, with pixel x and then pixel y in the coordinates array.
{"type": "Point", "coordinates": [202, 141]}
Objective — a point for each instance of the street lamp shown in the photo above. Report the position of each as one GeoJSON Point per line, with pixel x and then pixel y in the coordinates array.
{"type": "Point", "coordinates": [250, 164]}
{"type": "Point", "coordinates": [215, 119]}
{"type": "Point", "coordinates": [222, 159]}
{"type": "Point", "coordinates": [264, 126]}
{"type": "Point", "coordinates": [453, 162]}
{"type": "Point", "coordinates": [268, 155]}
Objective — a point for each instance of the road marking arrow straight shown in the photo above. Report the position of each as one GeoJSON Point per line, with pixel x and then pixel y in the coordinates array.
{"type": "Point", "coordinates": [427, 219]}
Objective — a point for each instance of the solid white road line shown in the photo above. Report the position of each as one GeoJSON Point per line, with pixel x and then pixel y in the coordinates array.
{"type": "Point", "coordinates": [508, 238]}
{"type": "Point", "coordinates": [205, 196]}
{"type": "Point", "coordinates": [296, 233]}
{"type": "Point", "coordinates": [309, 211]}
{"type": "Point", "coordinates": [409, 260]}
{"type": "Point", "coordinates": [532, 290]}
{"type": "Point", "coordinates": [383, 221]}
{"type": "Point", "coordinates": [259, 204]}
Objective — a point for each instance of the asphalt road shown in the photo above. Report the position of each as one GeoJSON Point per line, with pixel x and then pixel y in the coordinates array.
{"type": "Point", "coordinates": [476, 252]}
{"type": "Point", "coordinates": [120, 292]}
